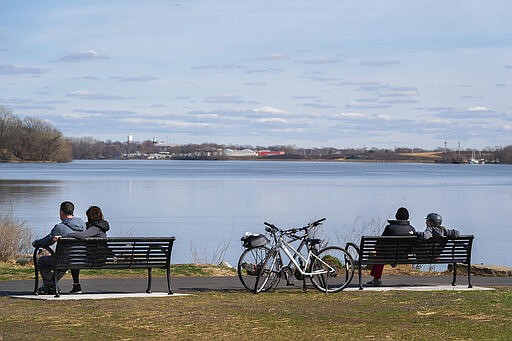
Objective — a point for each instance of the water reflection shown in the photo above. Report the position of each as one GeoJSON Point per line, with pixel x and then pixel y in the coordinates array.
{"type": "Point", "coordinates": [15, 191]}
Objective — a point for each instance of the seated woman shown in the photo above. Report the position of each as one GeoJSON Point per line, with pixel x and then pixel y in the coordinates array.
{"type": "Point", "coordinates": [96, 227]}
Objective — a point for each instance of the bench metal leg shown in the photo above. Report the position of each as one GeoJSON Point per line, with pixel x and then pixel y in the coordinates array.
{"type": "Point", "coordinates": [148, 290]}
{"type": "Point", "coordinates": [168, 271]}
{"type": "Point", "coordinates": [36, 283]}
{"type": "Point", "coordinates": [36, 280]}
{"type": "Point", "coordinates": [55, 281]}
{"type": "Point", "coordinates": [454, 274]}
{"type": "Point", "coordinates": [36, 271]}
{"type": "Point", "coordinates": [360, 277]}
{"type": "Point", "coordinates": [469, 275]}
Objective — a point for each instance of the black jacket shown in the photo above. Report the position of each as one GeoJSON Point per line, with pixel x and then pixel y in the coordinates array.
{"type": "Point", "coordinates": [399, 228]}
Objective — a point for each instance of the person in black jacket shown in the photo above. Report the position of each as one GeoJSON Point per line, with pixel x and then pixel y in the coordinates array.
{"type": "Point", "coordinates": [399, 227]}
{"type": "Point", "coordinates": [96, 227]}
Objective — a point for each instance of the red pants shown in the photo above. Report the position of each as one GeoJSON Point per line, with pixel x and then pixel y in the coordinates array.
{"type": "Point", "coordinates": [377, 270]}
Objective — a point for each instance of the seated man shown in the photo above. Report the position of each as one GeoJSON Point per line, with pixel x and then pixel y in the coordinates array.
{"type": "Point", "coordinates": [398, 227]}
{"type": "Point", "coordinates": [434, 228]}
{"type": "Point", "coordinates": [67, 225]}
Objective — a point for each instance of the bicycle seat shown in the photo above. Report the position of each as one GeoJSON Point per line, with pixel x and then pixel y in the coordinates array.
{"type": "Point", "coordinates": [314, 241]}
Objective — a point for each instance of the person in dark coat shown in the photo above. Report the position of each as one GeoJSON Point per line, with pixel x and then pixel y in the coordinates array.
{"type": "Point", "coordinates": [399, 227]}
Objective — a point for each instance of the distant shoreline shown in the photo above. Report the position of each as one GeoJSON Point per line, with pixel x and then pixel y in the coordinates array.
{"type": "Point", "coordinates": [266, 159]}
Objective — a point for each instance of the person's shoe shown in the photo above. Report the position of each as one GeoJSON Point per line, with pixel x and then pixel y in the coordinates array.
{"type": "Point", "coordinates": [374, 282]}
{"type": "Point", "coordinates": [44, 290]}
{"type": "Point", "coordinates": [77, 289]}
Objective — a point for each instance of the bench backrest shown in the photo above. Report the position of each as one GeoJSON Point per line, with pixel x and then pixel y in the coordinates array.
{"type": "Point", "coordinates": [113, 253]}
{"type": "Point", "coordinates": [411, 250]}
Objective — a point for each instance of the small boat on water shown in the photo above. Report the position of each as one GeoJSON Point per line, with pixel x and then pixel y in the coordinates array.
{"type": "Point", "coordinates": [474, 160]}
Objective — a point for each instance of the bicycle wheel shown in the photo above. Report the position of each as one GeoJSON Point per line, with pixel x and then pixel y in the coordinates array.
{"type": "Point", "coordinates": [269, 274]}
{"type": "Point", "coordinates": [332, 268]}
{"type": "Point", "coordinates": [249, 265]}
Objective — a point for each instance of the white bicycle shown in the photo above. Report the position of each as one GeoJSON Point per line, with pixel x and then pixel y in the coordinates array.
{"type": "Point", "coordinates": [330, 269]}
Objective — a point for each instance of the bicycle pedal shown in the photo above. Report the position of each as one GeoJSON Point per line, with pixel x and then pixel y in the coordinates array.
{"type": "Point", "coordinates": [290, 284]}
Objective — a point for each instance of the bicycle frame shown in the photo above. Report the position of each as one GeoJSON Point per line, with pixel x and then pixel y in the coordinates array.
{"type": "Point", "coordinates": [294, 254]}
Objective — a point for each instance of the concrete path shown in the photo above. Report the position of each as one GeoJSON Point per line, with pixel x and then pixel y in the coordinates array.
{"type": "Point", "coordinates": [135, 287]}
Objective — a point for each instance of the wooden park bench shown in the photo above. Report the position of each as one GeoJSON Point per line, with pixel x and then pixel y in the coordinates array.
{"type": "Point", "coordinates": [412, 250]}
{"type": "Point", "coordinates": [109, 253]}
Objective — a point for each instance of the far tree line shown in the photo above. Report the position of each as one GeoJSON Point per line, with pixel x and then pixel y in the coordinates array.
{"type": "Point", "coordinates": [34, 140]}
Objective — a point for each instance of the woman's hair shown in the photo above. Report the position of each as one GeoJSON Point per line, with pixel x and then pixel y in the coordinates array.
{"type": "Point", "coordinates": [94, 214]}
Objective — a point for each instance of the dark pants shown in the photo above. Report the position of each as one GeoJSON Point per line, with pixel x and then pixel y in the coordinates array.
{"type": "Point", "coordinates": [75, 273]}
{"type": "Point", "coordinates": [45, 268]}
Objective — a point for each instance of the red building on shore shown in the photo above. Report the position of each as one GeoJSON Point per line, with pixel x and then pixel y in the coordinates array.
{"type": "Point", "coordinates": [263, 153]}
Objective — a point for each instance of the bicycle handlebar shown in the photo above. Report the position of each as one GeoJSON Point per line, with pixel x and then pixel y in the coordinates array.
{"type": "Point", "coordinates": [318, 222]}
{"type": "Point", "coordinates": [273, 228]}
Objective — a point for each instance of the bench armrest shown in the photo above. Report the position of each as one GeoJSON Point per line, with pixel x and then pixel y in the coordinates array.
{"type": "Point", "coordinates": [353, 245]}
{"type": "Point", "coordinates": [39, 249]}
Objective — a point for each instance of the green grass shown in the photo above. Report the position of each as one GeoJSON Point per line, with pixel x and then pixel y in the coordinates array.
{"type": "Point", "coordinates": [282, 315]}
{"type": "Point", "coordinates": [12, 271]}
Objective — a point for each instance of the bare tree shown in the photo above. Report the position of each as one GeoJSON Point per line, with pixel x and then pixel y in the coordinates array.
{"type": "Point", "coordinates": [30, 140]}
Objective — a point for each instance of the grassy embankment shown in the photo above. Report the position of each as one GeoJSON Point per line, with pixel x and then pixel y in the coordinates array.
{"type": "Point", "coordinates": [282, 315]}
{"type": "Point", "coordinates": [13, 271]}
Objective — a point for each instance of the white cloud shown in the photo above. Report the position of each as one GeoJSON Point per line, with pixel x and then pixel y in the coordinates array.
{"type": "Point", "coordinates": [363, 104]}
{"type": "Point", "coordinates": [80, 115]}
{"type": "Point", "coordinates": [166, 123]}
{"type": "Point", "coordinates": [478, 109]}
{"type": "Point", "coordinates": [269, 70]}
{"type": "Point", "coordinates": [384, 62]}
{"type": "Point", "coordinates": [272, 120]}
{"type": "Point", "coordinates": [322, 61]}
{"type": "Point", "coordinates": [269, 110]}
{"type": "Point", "coordinates": [82, 56]}
{"type": "Point", "coordinates": [275, 56]}
{"type": "Point", "coordinates": [207, 116]}
{"type": "Point", "coordinates": [259, 83]}
{"type": "Point", "coordinates": [135, 79]}
{"type": "Point", "coordinates": [384, 117]}
{"type": "Point", "coordinates": [351, 115]}
{"type": "Point", "coordinates": [227, 98]}
{"type": "Point", "coordinates": [86, 94]}
{"type": "Point", "coordinates": [361, 116]}
{"type": "Point", "coordinates": [19, 70]}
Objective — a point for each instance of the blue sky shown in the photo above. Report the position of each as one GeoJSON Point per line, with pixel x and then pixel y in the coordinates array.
{"type": "Point", "coordinates": [306, 73]}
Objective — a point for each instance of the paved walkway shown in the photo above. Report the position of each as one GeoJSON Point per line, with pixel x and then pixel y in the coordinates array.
{"type": "Point", "coordinates": [135, 287]}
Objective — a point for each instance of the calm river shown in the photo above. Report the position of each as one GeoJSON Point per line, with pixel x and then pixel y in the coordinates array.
{"type": "Point", "coordinates": [208, 205]}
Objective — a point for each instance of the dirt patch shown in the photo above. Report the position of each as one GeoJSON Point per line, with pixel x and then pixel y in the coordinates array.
{"type": "Point", "coordinates": [427, 155]}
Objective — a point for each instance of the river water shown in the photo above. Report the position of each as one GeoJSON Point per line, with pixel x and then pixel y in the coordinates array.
{"type": "Point", "coordinates": [208, 205]}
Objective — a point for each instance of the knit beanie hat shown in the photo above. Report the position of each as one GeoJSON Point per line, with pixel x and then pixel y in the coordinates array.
{"type": "Point", "coordinates": [402, 214]}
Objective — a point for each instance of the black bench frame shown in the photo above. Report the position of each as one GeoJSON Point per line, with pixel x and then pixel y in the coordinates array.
{"type": "Point", "coordinates": [109, 253]}
{"type": "Point", "coordinates": [412, 250]}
